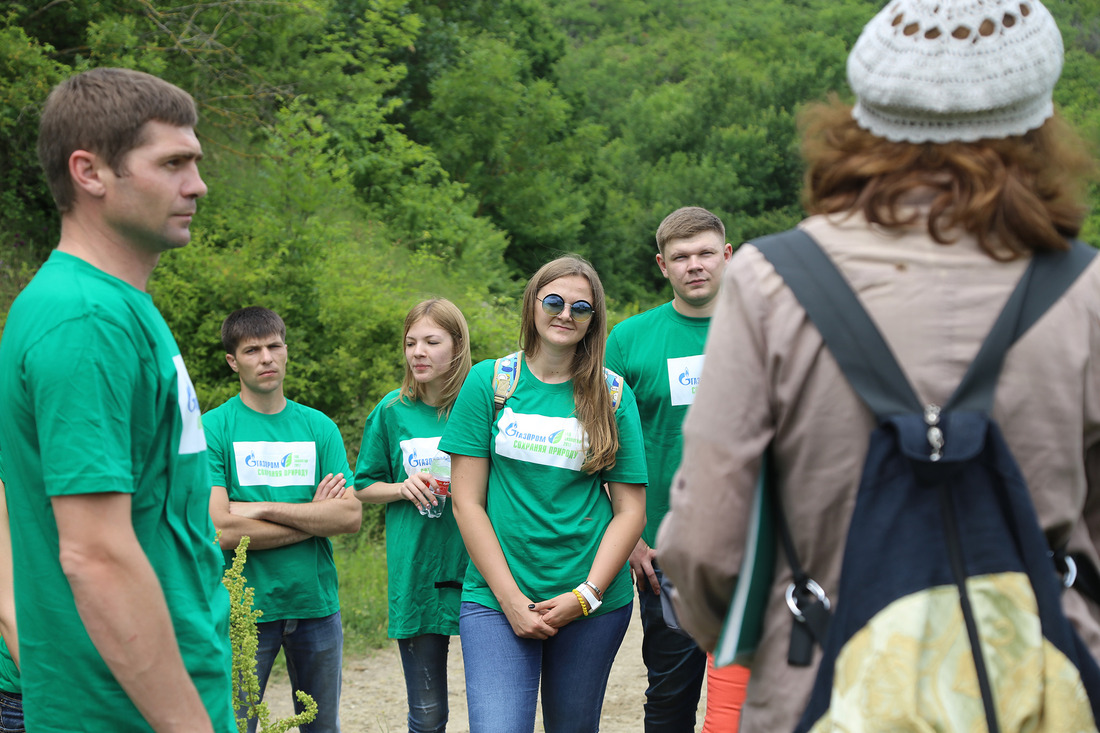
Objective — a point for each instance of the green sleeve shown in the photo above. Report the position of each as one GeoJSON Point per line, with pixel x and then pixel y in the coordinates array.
{"type": "Point", "coordinates": [469, 430]}
{"type": "Point", "coordinates": [79, 410]}
{"type": "Point", "coordinates": [212, 423]}
{"type": "Point", "coordinates": [335, 455]}
{"type": "Point", "coordinates": [374, 462]}
{"type": "Point", "coordinates": [630, 464]}
{"type": "Point", "coordinates": [613, 357]}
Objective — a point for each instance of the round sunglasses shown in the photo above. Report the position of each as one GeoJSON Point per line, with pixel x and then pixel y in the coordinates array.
{"type": "Point", "coordinates": [553, 304]}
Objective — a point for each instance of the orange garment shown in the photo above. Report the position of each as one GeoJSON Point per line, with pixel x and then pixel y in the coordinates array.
{"type": "Point", "coordinates": [725, 693]}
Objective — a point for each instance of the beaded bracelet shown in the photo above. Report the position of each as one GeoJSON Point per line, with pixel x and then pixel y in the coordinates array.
{"type": "Point", "coordinates": [580, 598]}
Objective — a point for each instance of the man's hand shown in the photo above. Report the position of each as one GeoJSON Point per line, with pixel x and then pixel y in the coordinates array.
{"type": "Point", "coordinates": [241, 509]}
{"type": "Point", "coordinates": [333, 510]}
{"type": "Point", "coordinates": [331, 487]}
{"type": "Point", "coordinates": [235, 519]}
{"type": "Point", "coordinates": [641, 567]}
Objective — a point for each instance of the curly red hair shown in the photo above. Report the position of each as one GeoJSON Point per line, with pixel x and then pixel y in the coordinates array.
{"type": "Point", "coordinates": [1015, 195]}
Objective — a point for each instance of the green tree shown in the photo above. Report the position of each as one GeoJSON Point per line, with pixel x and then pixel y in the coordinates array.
{"type": "Point", "coordinates": [28, 219]}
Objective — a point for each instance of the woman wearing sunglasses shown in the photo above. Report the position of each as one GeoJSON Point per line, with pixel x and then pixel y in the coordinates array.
{"type": "Point", "coordinates": [548, 595]}
{"type": "Point", "coordinates": [425, 557]}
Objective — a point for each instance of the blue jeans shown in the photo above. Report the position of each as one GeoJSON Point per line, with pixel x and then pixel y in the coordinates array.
{"type": "Point", "coordinates": [11, 713]}
{"type": "Point", "coordinates": [314, 650]}
{"type": "Point", "coordinates": [676, 667]}
{"type": "Point", "coordinates": [424, 659]}
{"type": "Point", "coordinates": [503, 671]}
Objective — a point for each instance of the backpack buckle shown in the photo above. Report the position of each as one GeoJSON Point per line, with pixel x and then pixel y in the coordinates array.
{"type": "Point", "coordinates": [1070, 576]}
{"type": "Point", "coordinates": [812, 626]}
{"type": "Point", "coordinates": [1064, 565]}
{"type": "Point", "coordinates": [809, 586]}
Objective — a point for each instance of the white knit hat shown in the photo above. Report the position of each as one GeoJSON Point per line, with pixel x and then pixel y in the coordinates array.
{"type": "Point", "coordinates": [955, 70]}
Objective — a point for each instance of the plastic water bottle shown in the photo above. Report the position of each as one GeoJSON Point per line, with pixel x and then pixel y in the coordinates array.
{"type": "Point", "coordinates": [440, 472]}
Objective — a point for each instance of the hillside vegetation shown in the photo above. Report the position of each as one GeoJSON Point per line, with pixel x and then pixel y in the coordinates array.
{"type": "Point", "coordinates": [364, 154]}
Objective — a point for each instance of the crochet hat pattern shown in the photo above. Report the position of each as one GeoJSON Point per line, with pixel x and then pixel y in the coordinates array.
{"type": "Point", "coordinates": [955, 70]}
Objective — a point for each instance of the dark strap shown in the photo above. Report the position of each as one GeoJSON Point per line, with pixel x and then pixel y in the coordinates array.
{"type": "Point", "coordinates": [850, 334]}
{"type": "Point", "coordinates": [811, 623]}
{"type": "Point", "coordinates": [1046, 279]}
{"type": "Point", "coordinates": [865, 357]}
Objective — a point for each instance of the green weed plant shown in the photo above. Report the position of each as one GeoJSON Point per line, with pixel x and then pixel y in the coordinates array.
{"type": "Point", "coordinates": [242, 634]}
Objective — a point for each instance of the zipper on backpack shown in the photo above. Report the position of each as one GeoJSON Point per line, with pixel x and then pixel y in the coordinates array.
{"type": "Point", "coordinates": [935, 434]}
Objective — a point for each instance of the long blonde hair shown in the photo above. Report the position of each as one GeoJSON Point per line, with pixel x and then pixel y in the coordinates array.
{"type": "Point", "coordinates": [447, 316]}
{"type": "Point", "coordinates": [592, 403]}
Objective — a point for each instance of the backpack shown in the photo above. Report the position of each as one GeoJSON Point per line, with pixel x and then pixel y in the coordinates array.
{"type": "Point", "coordinates": [950, 615]}
{"type": "Point", "coordinates": [506, 374]}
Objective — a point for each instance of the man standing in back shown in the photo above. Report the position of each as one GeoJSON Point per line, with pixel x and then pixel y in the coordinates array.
{"type": "Point", "coordinates": [278, 471]}
{"type": "Point", "coordinates": [660, 355]}
{"type": "Point", "coordinates": [123, 620]}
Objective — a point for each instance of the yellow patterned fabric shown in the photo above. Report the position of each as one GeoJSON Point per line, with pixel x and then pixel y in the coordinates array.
{"type": "Point", "coordinates": [910, 668]}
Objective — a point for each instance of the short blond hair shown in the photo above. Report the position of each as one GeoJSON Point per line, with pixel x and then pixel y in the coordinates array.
{"type": "Point", "coordinates": [686, 222]}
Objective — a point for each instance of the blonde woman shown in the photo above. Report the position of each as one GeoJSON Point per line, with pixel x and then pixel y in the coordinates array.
{"type": "Point", "coordinates": [424, 556]}
{"type": "Point", "coordinates": [548, 596]}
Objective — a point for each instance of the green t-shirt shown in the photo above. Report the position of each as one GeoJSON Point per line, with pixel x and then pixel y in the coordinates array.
{"type": "Point", "coordinates": [9, 673]}
{"type": "Point", "coordinates": [280, 457]}
{"type": "Point", "coordinates": [548, 515]}
{"type": "Point", "coordinates": [97, 399]}
{"type": "Point", "coordinates": [660, 355]}
{"type": "Point", "coordinates": [425, 558]}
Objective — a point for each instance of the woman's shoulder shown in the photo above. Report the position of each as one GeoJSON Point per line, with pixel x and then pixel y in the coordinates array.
{"type": "Point", "coordinates": [482, 373]}
{"type": "Point", "coordinates": [391, 399]}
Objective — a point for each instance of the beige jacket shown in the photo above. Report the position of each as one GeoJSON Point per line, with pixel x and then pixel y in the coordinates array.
{"type": "Point", "coordinates": [769, 379]}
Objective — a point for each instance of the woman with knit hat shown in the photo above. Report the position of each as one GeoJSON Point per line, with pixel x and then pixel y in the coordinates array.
{"type": "Point", "coordinates": [931, 195]}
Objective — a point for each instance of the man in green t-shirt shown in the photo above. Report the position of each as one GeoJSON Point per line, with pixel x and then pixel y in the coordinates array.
{"type": "Point", "coordinates": [123, 620]}
{"type": "Point", "coordinates": [278, 471]}
{"type": "Point", "coordinates": [660, 355]}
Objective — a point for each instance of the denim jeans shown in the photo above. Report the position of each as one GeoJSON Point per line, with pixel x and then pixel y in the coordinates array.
{"type": "Point", "coordinates": [676, 667]}
{"type": "Point", "coordinates": [503, 671]}
{"type": "Point", "coordinates": [424, 659]}
{"type": "Point", "coordinates": [314, 650]}
{"type": "Point", "coordinates": [11, 713]}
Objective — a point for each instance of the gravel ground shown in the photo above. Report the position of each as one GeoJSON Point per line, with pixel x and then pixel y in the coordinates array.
{"type": "Point", "coordinates": [373, 699]}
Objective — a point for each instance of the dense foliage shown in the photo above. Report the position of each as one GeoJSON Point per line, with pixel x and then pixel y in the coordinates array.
{"type": "Point", "coordinates": [364, 154]}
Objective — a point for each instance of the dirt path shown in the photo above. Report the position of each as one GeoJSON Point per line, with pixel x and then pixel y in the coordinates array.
{"type": "Point", "coordinates": [374, 692]}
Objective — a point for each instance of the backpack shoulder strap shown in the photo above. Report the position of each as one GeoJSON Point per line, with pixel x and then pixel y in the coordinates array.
{"type": "Point", "coordinates": [849, 333]}
{"type": "Point", "coordinates": [505, 376]}
{"type": "Point", "coordinates": [862, 353]}
{"type": "Point", "coordinates": [614, 387]}
{"type": "Point", "coordinates": [1046, 279]}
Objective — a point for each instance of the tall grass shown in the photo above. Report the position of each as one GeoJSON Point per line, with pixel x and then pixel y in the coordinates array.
{"type": "Point", "coordinates": [361, 565]}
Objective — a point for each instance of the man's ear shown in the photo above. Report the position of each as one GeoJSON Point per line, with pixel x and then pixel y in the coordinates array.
{"type": "Point", "coordinates": [661, 264]}
{"type": "Point", "coordinates": [86, 170]}
{"type": "Point", "coordinates": [232, 362]}
{"type": "Point", "coordinates": [727, 252]}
